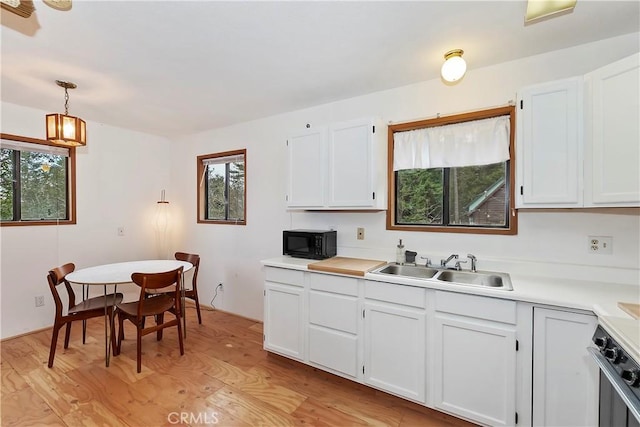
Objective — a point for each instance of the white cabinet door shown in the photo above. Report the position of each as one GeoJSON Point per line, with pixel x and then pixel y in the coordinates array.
{"type": "Point", "coordinates": [475, 369]}
{"type": "Point", "coordinates": [613, 134]}
{"type": "Point", "coordinates": [549, 145]}
{"type": "Point", "coordinates": [333, 328]}
{"type": "Point", "coordinates": [394, 348]}
{"type": "Point", "coordinates": [565, 378]}
{"type": "Point", "coordinates": [307, 168]}
{"type": "Point", "coordinates": [283, 320]}
{"type": "Point", "coordinates": [351, 175]}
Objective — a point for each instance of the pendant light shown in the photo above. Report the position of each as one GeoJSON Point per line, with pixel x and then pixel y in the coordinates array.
{"type": "Point", "coordinates": [454, 66]}
{"type": "Point", "coordinates": [63, 129]}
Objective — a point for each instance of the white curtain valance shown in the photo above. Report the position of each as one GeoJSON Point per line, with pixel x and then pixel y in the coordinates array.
{"type": "Point", "coordinates": [474, 143]}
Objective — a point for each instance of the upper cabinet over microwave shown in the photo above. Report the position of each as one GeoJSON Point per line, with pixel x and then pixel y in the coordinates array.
{"type": "Point", "coordinates": [337, 167]}
{"type": "Point", "coordinates": [578, 140]}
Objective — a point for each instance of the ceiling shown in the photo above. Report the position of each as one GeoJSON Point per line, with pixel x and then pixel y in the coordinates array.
{"type": "Point", "coordinates": [181, 67]}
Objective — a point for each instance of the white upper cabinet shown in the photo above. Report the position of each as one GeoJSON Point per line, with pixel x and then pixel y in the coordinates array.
{"type": "Point", "coordinates": [337, 167]}
{"type": "Point", "coordinates": [549, 145]}
{"type": "Point", "coordinates": [612, 167]}
{"type": "Point", "coordinates": [351, 164]}
{"type": "Point", "coordinates": [578, 140]}
{"type": "Point", "coordinates": [307, 168]}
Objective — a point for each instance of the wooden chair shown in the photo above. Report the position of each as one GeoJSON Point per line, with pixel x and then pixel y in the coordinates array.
{"type": "Point", "coordinates": [92, 307]}
{"type": "Point", "coordinates": [188, 293]}
{"type": "Point", "coordinates": [154, 305]}
{"type": "Point", "coordinates": [193, 292]}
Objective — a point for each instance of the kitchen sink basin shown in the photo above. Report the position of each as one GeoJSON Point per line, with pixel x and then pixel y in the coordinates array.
{"type": "Point", "coordinates": [408, 271]}
{"type": "Point", "coordinates": [487, 279]}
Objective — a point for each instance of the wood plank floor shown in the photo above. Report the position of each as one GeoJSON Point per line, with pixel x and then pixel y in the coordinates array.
{"type": "Point", "coordinates": [225, 378]}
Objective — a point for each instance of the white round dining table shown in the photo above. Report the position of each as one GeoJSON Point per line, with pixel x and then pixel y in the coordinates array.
{"type": "Point", "coordinates": [120, 273]}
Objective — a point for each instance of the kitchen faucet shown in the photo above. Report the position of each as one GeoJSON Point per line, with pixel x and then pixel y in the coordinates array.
{"type": "Point", "coordinates": [443, 262]}
{"type": "Point", "coordinates": [474, 260]}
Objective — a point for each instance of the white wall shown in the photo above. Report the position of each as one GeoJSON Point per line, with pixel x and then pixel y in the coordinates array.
{"type": "Point", "coordinates": [547, 241]}
{"type": "Point", "coordinates": [120, 174]}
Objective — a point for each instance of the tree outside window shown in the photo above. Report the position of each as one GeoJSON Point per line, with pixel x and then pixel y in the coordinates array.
{"type": "Point", "coordinates": [465, 191]}
{"type": "Point", "coordinates": [222, 187]}
{"type": "Point", "coordinates": [35, 182]}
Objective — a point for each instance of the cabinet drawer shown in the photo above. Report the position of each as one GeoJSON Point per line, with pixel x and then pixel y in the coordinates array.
{"type": "Point", "coordinates": [337, 284]}
{"type": "Point", "coordinates": [399, 294]}
{"type": "Point", "coordinates": [283, 275]}
{"type": "Point", "coordinates": [333, 311]}
{"type": "Point", "coordinates": [334, 350]}
{"type": "Point", "coordinates": [475, 306]}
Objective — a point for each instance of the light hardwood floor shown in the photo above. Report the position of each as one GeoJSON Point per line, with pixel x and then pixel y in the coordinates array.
{"type": "Point", "coordinates": [225, 378]}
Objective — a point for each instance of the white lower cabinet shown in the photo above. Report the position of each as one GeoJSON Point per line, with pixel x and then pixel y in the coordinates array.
{"type": "Point", "coordinates": [488, 360]}
{"type": "Point", "coordinates": [333, 324]}
{"type": "Point", "coordinates": [284, 312]}
{"type": "Point", "coordinates": [474, 358]}
{"type": "Point", "coordinates": [565, 378]}
{"type": "Point", "coordinates": [394, 348]}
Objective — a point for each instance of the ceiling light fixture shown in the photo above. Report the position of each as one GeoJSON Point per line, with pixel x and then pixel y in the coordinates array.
{"type": "Point", "coordinates": [63, 129]}
{"type": "Point", "coordinates": [539, 9]}
{"type": "Point", "coordinates": [454, 66]}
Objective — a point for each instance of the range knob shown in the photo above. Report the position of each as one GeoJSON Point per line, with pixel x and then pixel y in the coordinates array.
{"type": "Point", "coordinates": [601, 342]}
{"type": "Point", "coordinates": [613, 354]}
{"type": "Point", "coordinates": [631, 377]}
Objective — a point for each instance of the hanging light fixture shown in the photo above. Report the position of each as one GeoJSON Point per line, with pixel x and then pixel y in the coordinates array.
{"type": "Point", "coordinates": [63, 129]}
{"type": "Point", "coordinates": [454, 66]}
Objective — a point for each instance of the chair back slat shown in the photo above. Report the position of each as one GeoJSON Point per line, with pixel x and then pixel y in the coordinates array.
{"type": "Point", "coordinates": [56, 277]}
{"type": "Point", "coordinates": [194, 260]}
{"type": "Point", "coordinates": [157, 281]}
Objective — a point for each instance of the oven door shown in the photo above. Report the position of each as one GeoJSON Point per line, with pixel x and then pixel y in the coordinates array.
{"type": "Point", "coordinates": [619, 407]}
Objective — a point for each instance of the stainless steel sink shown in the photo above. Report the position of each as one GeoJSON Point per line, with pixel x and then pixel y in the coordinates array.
{"type": "Point", "coordinates": [408, 271]}
{"type": "Point", "coordinates": [486, 279]}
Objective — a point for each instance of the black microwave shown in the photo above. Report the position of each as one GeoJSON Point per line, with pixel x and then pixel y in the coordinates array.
{"type": "Point", "coordinates": [311, 244]}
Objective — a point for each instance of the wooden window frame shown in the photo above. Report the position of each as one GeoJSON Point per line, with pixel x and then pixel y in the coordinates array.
{"type": "Point", "coordinates": [449, 120]}
{"type": "Point", "coordinates": [200, 189]}
{"type": "Point", "coordinates": [71, 186]}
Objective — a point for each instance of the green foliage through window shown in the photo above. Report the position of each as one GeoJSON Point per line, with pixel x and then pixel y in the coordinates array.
{"type": "Point", "coordinates": [462, 199]}
{"type": "Point", "coordinates": [34, 183]}
{"type": "Point", "coordinates": [222, 195]}
{"type": "Point", "coordinates": [464, 196]}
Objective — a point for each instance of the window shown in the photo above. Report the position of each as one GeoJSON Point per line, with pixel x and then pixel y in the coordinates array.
{"type": "Point", "coordinates": [37, 182]}
{"type": "Point", "coordinates": [453, 174]}
{"type": "Point", "coordinates": [222, 188]}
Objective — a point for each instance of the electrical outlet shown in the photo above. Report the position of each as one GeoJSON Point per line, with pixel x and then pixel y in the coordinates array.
{"type": "Point", "coordinates": [40, 301]}
{"type": "Point", "coordinates": [360, 233]}
{"type": "Point", "coordinates": [600, 245]}
{"type": "Point", "coordinates": [120, 231]}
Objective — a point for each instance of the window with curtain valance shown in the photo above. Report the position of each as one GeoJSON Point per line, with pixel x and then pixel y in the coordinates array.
{"type": "Point", "coordinates": [453, 173]}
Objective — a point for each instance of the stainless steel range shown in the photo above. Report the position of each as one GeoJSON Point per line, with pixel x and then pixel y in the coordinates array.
{"type": "Point", "coordinates": [619, 382]}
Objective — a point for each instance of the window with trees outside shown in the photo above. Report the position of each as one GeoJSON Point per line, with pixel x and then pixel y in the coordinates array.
{"type": "Point", "coordinates": [453, 174]}
{"type": "Point", "coordinates": [37, 182]}
{"type": "Point", "coordinates": [222, 188]}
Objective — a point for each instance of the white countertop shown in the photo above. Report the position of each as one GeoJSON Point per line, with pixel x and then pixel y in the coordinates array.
{"type": "Point", "coordinates": [599, 297]}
